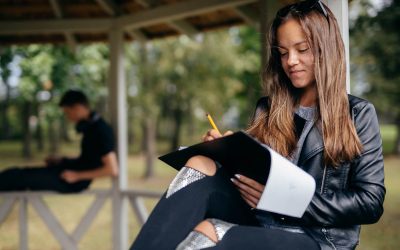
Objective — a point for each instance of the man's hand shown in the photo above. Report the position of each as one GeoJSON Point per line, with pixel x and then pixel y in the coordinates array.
{"type": "Point", "coordinates": [53, 160]}
{"type": "Point", "coordinates": [213, 134]}
{"type": "Point", "coordinates": [70, 176]}
{"type": "Point", "coordinates": [249, 189]}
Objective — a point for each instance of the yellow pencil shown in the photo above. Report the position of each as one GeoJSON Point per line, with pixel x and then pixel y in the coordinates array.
{"type": "Point", "coordinates": [212, 122]}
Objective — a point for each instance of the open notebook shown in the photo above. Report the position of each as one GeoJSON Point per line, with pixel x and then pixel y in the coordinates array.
{"type": "Point", "coordinates": [288, 188]}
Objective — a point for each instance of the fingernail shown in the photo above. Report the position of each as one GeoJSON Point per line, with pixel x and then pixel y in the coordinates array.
{"type": "Point", "coordinates": [237, 176]}
{"type": "Point", "coordinates": [233, 180]}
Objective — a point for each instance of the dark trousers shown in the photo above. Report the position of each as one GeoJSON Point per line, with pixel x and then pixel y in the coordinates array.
{"type": "Point", "coordinates": [213, 197]}
{"type": "Point", "coordinates": [42, 178]}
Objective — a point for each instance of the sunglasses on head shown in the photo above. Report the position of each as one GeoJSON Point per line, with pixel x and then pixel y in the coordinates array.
{"type": "Point", "coordinates": [304, 6]}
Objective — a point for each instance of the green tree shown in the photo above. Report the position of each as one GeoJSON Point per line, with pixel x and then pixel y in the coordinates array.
{"type": "Point", "coordinates": [375, 40]}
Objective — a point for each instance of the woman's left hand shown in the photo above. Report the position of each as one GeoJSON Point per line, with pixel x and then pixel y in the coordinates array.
{"type": "Point", "coordinates": [250, 189]}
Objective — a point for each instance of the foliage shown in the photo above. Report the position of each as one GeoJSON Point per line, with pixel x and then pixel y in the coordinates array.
{"type": "Point", "coordinates": [375, 40]}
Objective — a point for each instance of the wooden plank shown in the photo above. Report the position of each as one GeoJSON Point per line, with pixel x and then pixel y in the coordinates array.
{"type": "Point", "coordinates": [71, 41]}
{"type": "Point", "coordinates": [138, 35]}
{"type": "Point", "coordinates": [175, 11]}
{"type": "Point", "coordinates": [143, 193]}
{"type": "Point", "coordinates": [139, 209]}
{"type": "Point", "coordinates": [5, 207]}
{"type": "Point", "coordinates": [248, 15]}
{"type": "Point", "coordinates": [88, 218]}
{"type": "Point", "coordinates": [187, 28]}
{"type": "Point", "coordinates": [148, 3]}
{"type": "Point", "coordinates": [54, 226]}
{"type": "Point", "coordinates": [55, 26]}
{"type": "Point", "coordinates": [58, 10]}
{"type": "Point", "coordinates": [268, 9]}
{"type": "Point", "coordinates": [109, 6]}
{"type": "Point", "coordinates": [28, 194]}
{"type": "Point", "coordinates": [23, 224]}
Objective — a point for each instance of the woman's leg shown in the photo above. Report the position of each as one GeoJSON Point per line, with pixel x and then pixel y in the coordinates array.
{"type": "Point", "coordinates": [219, 235]}
{"type": "Point", "coordinates": [192, 197]}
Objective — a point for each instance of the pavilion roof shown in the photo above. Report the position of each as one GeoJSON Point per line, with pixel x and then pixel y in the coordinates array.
{"type": "Point", "coordinates": [35, 21]}
{"type": "Point", "coordinates": [87, 21]}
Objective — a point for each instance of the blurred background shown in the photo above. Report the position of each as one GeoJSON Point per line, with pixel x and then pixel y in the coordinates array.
{"type": "Point", "coordinates": [175, 81]}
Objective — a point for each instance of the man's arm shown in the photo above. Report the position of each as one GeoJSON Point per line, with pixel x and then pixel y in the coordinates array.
{"type": "Point", "coordinates": [109, 168]}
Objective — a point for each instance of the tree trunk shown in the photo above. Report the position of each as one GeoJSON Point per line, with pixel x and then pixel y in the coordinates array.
{"type": "Point", "coordinates": [131, 132]}
{"type": "Point", "coordinates": [150, 146]}
{"type": "Point", "coordinates": [27, 136]}
{"type": "Point", "coordinates": [39, 129]}
{"type": "Point", "coordinates": [175, 135]}
{"type": "Point", "coordinates": [397, 142]}
{"type": "Point", "coordinates": [5, 128]}
{"type": "Point", "coordinates": [191, 121]}
{"type": "Point", "coordinates": [64, 130]}
{"type": "Point", "coordinates": [53, 137]}
{"type": "Point", "coordinates": [39, 136]}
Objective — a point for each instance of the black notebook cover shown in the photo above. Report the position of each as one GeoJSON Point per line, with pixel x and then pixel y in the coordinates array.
{"type": "Point", "coordinates": [238, 154]}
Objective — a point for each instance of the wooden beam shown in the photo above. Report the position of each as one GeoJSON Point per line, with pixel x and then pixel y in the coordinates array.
{"type": "Point", "coordinates": [23, 224]}
{"type": "Point", "coordinates": [71, 41]}
{"type": "Point", "coordinates": [187, 28]}
{"type": "Point", "coordinates": [248, 15]}
{"type": "Point", "coordinates": [5, 207]}
{"type": "Point", "coordinates": [139, 210]}
{"type": "Point", "coordinates": [118, 112]}
{"type": "Point", "coordinates": [55, 26]}
{"type": "Point", "coordinates": [148, 3]}
{"type": "Point", "coordinates": [109, 6]}
{"type": "Point", "coordinates": [58, 10]}
{"type": "Point", "coordinates": [156, 15]}
{"type": "Point", "coordinates": [268, 9]}
{"type": "Point", "coordinates": [88, 218]}
{"type": "Point", "coordinates": [52, 223]}
{"type": "Point", "coordinates": [175, 11]}
{"type": "Point", "coordinates": [138, 35]}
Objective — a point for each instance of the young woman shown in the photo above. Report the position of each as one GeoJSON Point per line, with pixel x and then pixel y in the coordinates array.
{"type": "Point", "coordinates": [308, 118]}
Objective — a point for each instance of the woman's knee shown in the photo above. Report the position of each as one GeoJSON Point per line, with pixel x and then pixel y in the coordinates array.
{"type": "Point", "coordinates": [207, 228]}
{"type": "Point", "coordinates": [202, 164]}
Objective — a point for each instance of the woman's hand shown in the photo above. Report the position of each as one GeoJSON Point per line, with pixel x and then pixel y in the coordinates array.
{"type": "Point", "coordinates": [213, 134]}
{"type": "Point", "coordinates": [250, 189]}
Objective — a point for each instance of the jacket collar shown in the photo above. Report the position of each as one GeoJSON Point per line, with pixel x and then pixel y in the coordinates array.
{"type": "Point", "coordinates": [312, 145]}
{"type": "Point", "coordinates": [314, 142]}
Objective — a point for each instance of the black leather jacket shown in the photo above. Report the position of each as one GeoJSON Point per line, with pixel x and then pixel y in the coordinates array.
{"type": "Point", "coordinates": [349, 195]}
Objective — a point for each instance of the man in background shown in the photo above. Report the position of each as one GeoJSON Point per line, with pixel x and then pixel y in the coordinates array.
{"type": "Point", "coordinates": [97, 158]}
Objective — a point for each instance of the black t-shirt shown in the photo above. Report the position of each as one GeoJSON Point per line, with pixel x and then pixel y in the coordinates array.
{"type": "Point", "coordinates": [97, 141]}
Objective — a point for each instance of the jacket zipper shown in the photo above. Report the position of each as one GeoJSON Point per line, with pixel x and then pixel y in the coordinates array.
{"type": "Point", "coordinates": [323, 180]}
{"type": "Point", "coordinates": [327, 238]}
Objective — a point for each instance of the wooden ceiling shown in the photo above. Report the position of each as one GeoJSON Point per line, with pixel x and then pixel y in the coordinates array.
{"type": "Point", "coordinates": [47, 11]}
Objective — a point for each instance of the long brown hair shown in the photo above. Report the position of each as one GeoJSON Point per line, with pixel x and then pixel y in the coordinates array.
{"type": "Point", "coordinates": [274, 125]}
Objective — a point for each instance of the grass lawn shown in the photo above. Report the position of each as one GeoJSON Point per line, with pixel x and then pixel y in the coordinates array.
{"type": "Point", "coordinates": [70, 208]}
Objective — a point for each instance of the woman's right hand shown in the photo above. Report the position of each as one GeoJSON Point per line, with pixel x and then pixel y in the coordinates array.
{"type": "Point", "coordinates": [212, 134]}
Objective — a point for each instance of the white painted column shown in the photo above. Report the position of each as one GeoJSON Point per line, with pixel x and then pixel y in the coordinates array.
{"type": "Point", "coordinates": [23, 224]}
{"type": "Point", "coordinates": [268, 9]}
{"type": "Point", "coordinates": [118, 114]}
{"type": "Point", "coordinates": [340, 9]}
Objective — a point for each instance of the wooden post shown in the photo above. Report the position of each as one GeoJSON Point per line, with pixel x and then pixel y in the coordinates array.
{"type": "Point", "coordinates": [268, 9]}
{"type": "Point", "coordinates": [340, 9]}
{"type": "Point", "coordinates": [118, 113]}
{"type": "Point", "coordinates": [23, 224]}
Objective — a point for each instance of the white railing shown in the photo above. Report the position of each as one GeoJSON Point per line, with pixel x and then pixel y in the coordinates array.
{"type": "Point", "coordinates": [68, 242]}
